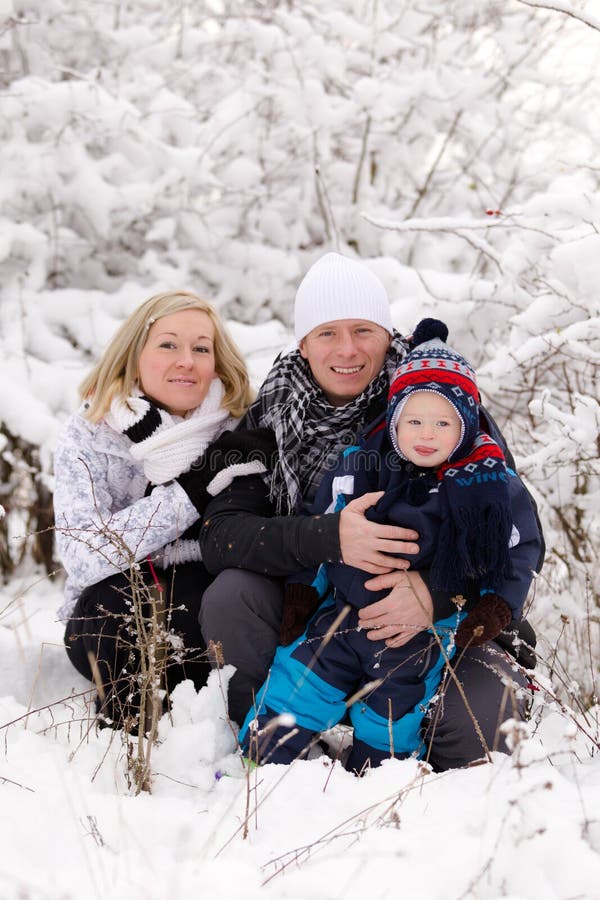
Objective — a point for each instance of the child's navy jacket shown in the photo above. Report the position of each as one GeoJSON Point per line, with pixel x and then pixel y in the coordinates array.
{"type": "Point", "coordinates": [411, 500]}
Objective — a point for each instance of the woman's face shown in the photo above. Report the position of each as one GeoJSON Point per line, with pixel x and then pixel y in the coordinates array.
{"type": "Point", "coordinates": [345, 356]}
{"type": "Point", "coordinates": [177, 363]}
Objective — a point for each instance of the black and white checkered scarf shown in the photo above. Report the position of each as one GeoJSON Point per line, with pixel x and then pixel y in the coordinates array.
{"type": "Point", "coordinates": [310, 432]}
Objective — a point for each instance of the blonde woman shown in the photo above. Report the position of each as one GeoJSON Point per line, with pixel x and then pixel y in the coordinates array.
{"type": "Point", "coordinates": [134, 468]}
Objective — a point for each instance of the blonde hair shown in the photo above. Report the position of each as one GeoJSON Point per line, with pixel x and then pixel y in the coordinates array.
{"type": "Point", "coordinates": [117, 370]}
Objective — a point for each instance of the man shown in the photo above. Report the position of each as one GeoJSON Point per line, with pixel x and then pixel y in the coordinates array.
{"type": "Point", "coordinates": [317, 399]}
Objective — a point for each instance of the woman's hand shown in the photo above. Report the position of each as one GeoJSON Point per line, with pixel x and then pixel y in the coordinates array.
{"type": "Point", "coordinates": [367, 545]}
{"type": "Point", "coordinates": [406, 610]}
{"type": "Point", "coordinates": [232, 454]}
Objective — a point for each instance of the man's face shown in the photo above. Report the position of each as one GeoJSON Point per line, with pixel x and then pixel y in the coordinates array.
{"type": "Point", "coordinates": [345, 356]}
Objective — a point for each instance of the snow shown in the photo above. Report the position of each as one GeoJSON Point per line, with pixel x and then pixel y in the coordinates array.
{"type": "Point", "coordinates": [522, 827]}
{"type": "Point", "coordinates": [222, 148]}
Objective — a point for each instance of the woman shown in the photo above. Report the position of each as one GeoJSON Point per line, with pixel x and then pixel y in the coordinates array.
{"type": "Point", "coordinates": [134, 469]}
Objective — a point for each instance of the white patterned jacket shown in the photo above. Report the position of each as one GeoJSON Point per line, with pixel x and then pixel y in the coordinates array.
{"type": "Point", "coordinates": [103, 520]}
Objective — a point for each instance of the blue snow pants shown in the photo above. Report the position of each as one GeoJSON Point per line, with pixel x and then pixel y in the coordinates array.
{"type": "Point", "coordinates": [314, 678]}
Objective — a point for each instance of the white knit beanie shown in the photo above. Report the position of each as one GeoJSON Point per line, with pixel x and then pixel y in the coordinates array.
{"type": "Point", "coordinates": [337, 287]}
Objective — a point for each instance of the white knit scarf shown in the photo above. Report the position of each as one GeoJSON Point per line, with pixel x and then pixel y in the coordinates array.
{"type": "Point", "coordinates": [169, 447]}
{"type": "Point", "coordinates": [175, 443]}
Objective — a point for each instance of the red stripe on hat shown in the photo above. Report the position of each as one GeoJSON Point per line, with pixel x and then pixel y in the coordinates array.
{"type": "Point", "coordinates": [427, 376]}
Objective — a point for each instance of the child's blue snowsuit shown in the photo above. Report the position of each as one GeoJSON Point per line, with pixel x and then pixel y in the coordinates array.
{"type": "Point", "coordinates": [314, 677]}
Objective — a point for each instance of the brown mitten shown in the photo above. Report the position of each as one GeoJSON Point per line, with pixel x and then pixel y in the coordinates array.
{"type": "Point", "coordinates": [485, 621]}
{"type": "Point", "coordinates": [299, 603]}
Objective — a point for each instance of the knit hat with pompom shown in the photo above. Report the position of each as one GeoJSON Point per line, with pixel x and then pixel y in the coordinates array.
{"type": "Point", "coordinates": [434, 367]}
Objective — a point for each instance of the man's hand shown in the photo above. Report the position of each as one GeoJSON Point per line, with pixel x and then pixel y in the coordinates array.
{"type": "Point", "coordinates": [367, 545]}
{"type": "Point", "coordinates": [399, 616]}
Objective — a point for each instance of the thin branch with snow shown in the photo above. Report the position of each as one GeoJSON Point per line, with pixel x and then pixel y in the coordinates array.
{"type": "Point", "coordinates": [566, 9]}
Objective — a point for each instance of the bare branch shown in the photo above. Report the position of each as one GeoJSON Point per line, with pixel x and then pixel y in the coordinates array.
{"type": "Point", "coordinates": [566, 9]}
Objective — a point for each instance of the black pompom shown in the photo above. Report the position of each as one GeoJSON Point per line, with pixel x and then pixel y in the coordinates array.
{"type": "Point", "coordinates": [427, 330]}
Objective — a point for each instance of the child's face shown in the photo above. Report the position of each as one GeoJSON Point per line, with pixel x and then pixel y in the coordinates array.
{"type": "Point", "coordinates": [428, 429]}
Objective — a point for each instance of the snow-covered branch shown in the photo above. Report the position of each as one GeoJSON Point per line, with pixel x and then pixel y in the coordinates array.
{"type": "Point", "coordinates": [566, 9]}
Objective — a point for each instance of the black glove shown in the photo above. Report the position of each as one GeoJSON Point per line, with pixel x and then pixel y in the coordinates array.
{"type": "Point", "coordinates": [485, 621]}
{"type": "Point", "coordinates": [299, 603]}
{"type": "Point", "coordinates": [229, 449]}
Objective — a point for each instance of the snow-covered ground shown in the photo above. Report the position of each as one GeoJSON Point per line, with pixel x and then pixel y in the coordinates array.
{"type": "Point", "coordinates": [524, 827]}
